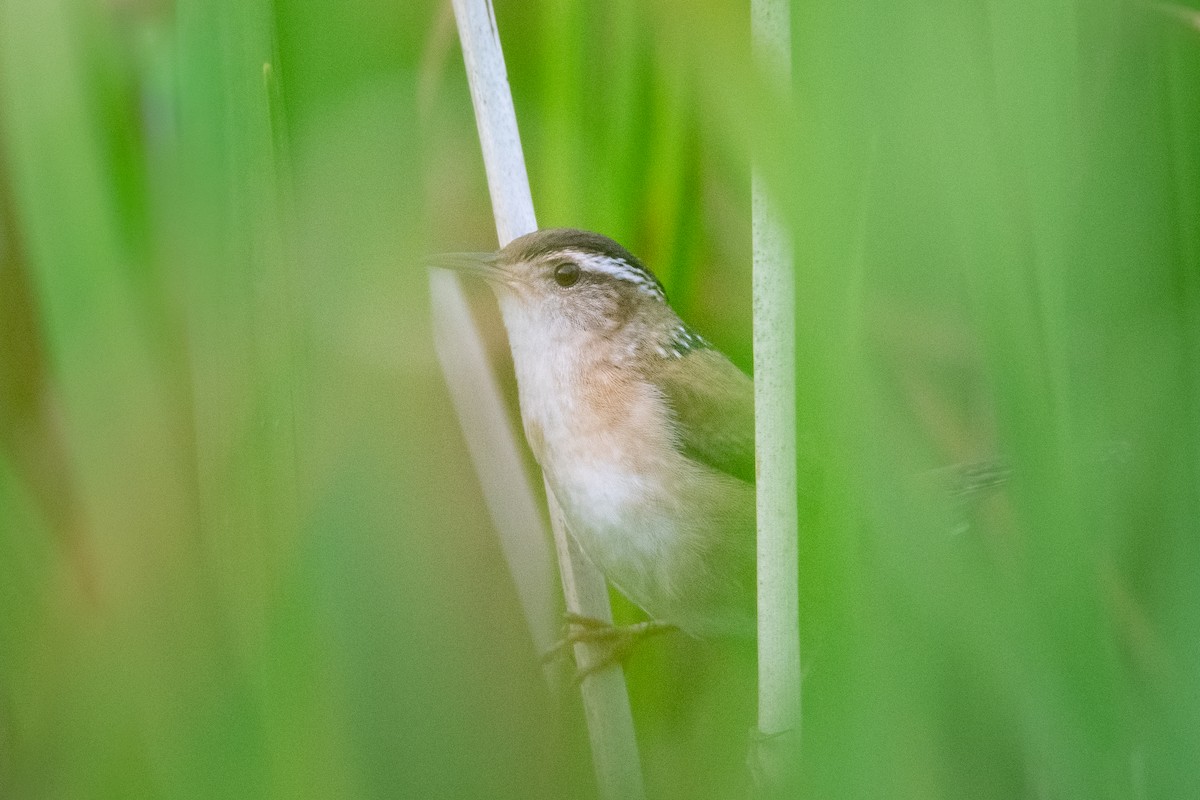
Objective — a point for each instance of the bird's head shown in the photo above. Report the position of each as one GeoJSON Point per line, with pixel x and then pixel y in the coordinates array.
{"type": "Point", "coordinates": [566, 282]}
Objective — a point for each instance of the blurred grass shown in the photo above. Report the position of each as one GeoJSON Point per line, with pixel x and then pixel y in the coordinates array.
{"type": "Point", "coordinates": [242, 553]}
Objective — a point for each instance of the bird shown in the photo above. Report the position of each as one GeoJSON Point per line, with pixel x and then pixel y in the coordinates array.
{"type": "Point", "coordinates": [643, 429]}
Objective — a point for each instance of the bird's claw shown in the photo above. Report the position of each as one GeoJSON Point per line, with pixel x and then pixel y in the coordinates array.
{"type": "Point", "coordinates": [611, 643]}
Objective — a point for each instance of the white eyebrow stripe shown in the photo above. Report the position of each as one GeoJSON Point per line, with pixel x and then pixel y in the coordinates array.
{"type": "Point", "coordinates": [617, 268]}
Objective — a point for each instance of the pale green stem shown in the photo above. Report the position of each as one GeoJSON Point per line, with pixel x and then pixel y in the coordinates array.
{"type": "Point", "coordinates": [495, 453]}
{"type": "Point", "coordinates": [775, 433]}
{"type": "Point", "coordinates": [605, 699]}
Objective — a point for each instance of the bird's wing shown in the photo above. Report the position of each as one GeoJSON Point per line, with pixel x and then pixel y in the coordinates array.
{"type": "Point", "coordinates": [713, 404]}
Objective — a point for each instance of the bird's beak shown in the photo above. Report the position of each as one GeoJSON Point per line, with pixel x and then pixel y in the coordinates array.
{"type": "Point", "coordinates": [481, 265]}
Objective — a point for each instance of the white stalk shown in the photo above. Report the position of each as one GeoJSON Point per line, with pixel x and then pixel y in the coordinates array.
{"type": "Point", "coordinates": [775, 432]}
{"type": "Point", "coordinates": [494, 449]}
{"type": "Point", "coordinates": [605, 699]}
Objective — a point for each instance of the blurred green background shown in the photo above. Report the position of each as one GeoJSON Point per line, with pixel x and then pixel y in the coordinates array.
{"type": "Point", "coordinates": [242, 550]}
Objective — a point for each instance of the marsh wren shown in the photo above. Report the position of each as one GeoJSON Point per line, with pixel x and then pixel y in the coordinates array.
{"type": "Point", "coordinates": [644, 431]}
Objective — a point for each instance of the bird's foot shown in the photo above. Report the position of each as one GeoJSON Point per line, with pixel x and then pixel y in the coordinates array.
{"type": "Point", "coordinates": [611, 644]}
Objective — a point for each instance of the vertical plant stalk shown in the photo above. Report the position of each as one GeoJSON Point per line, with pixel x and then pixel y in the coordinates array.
{"type": "Point", "coordinates": [775, 431]}
{"type": "Point", "coordinates": [605, 699]}
{"type": "Point", "coordinates": [492, 443]}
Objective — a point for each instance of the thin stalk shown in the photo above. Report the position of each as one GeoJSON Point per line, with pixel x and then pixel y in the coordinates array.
{"type": "Point", "coordinates": [492, 444]}
{"type": "Point", "coordinates": [775, 435]}
{"type": "Point", "coordinates": [605, 699]}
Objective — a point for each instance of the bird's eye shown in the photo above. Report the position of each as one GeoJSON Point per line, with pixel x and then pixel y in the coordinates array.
{"type": "Point", "coordinates": [566, 274]}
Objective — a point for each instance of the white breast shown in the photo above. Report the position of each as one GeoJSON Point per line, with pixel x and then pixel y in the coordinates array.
{"type": "Point", "coordinates": [603, 444]}
{"type": "Point", "coordinates": [649, 518]}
